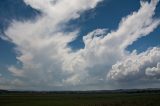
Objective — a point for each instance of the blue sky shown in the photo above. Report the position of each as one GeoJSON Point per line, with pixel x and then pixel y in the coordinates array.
{"type": "Point", "coordinates": [74, 39]}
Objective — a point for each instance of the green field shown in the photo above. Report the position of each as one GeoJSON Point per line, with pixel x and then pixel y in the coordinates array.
{"type": "Point", "coordinates": [114, 99]}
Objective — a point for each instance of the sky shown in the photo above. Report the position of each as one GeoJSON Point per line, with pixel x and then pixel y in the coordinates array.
{"type": "Point", "coordinates": [79, 44]}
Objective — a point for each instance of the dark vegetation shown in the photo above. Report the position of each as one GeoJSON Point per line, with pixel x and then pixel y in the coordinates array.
{"type": "Point", "coordinates": [148, 97]}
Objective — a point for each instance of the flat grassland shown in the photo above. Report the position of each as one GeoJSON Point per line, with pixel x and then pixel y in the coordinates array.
{"type": "Point", "coordinates": [111, 99]}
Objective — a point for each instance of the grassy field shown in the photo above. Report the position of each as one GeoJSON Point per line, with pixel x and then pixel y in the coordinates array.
{"type": "Point", "coordinates": [114, 99]}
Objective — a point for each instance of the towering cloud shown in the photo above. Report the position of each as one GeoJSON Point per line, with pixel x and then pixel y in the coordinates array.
{"type": "Point", "coordinates": [47, 60]}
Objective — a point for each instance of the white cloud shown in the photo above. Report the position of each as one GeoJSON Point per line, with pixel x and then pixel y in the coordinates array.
{"type": "Point", "coordinates": [135, 66]}
{"type": "Point", "coordinates": [41, 45]}
{"type": "Point", "coordinates": [154, 71]}
{"type": "Point", "coordinates": [101, 52]}
{"type": "Point", "coordinates": [15, 71]}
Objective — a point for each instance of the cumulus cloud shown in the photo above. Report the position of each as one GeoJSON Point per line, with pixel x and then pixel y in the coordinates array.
{"type": "Point", "coordinates": [46, 60]}
{"type": "Point", "coordinates": [154, 71]}
{"type": "Point", "coordinates": [109, 49]}
{"type": "Point", "coordinates": [135, 66]}
{"type": "Point", "coordinates": [45, 33]}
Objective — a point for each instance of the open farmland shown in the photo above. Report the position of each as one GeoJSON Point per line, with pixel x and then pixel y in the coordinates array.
{"type": "Point", "coordinates": [80, 99]}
